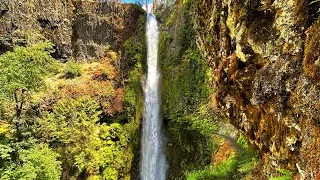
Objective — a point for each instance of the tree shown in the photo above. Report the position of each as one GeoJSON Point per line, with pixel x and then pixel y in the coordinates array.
{"type": "Point", "coordinates": [22, 72]}
{"type": "Point", "coordinates": [38, 163]}
{"type": "Point", "coordinates": [73, 129]}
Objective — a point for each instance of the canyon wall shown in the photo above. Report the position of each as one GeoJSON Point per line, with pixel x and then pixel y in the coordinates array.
{"type": "Point", "coordinates": [264, 56]}
{"type": "Point", "coordinates": [104, 44]}
{"type": "Point", "coordinates": [79, 29]}
{"type": "Point", "coordinates": [261, 60]}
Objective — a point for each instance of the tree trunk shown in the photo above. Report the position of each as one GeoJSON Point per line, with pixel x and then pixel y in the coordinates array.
{"type": "Point", "coordinates": [19, 106]}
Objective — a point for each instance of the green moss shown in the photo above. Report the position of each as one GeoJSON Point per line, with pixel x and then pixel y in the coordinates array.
{"type": "Point", "coordinates": [185, 88]}
{"type": "Point", "coordinates": [186, 150]}
{"type": "Point", "coordinates": [133, 51]}
{"type": "Point", "coordinates": [135, 47]}
{"type": "Point", "coordinates": [185, 91]}
{"type": "Point", "coordinates": [185, 83]}
{"type": "Point", "coordinates": [185, 31]}
{"type": "Point", "coordinates": [170, 20]}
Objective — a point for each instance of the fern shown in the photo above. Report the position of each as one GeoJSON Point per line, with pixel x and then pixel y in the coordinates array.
{"type": "Point", "coordinates": [286, 175]}
{"type": "Point", "coordinates": [315, 1]}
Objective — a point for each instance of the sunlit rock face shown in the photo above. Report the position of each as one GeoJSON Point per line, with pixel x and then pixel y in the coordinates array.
{"type": "Point", "coordinates": [264, 55]}
{"type": "Point", "coordinates": [79, 29]}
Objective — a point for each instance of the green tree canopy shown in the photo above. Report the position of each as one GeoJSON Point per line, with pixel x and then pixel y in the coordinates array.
{"type": "Point", "coordinates": [38, 163]}
{"type": "Point", "coordinates": [74, 129]}
{"type": "Point", "coordinates": [26, 68]}
{"type": "Point", "coordinates": [22, 72]}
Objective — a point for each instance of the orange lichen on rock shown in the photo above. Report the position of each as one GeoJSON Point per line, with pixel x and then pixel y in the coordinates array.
{"type": "Point", "coordinates": [311, 60]}
{"type": "Point", "coordinates": [224, 152]}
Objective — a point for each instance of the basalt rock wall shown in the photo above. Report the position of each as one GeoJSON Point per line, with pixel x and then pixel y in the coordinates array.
{"type": "Point", "coordinates": [264, 56]}
{"type": "Point", "coordinates": [79, 29]}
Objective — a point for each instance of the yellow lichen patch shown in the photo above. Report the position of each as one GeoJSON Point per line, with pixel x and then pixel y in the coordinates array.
{"type": "Point", "coordinates": [231, 24]}
{"type": "Point", "coordinates": [240, 54]}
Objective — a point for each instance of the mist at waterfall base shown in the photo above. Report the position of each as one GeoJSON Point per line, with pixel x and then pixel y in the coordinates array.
{"type": "Point", "coordinates": [153, 162]}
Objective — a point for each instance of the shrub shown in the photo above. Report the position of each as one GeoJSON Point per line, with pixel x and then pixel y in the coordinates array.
{"type": "Point", "coordinates": [72, 127]}
{"type": "Point", "coordinates": [38, 163]}
{"type": "Point", "coordinates": [240, 163]}
{"type": "Point", "coordinates": [286, 175]}
{"type": "Point", "coordinates": [72, 70]}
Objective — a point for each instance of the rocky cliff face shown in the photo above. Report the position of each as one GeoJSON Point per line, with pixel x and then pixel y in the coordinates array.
{"type": "Point", "coordinates": [105, 43]}
{"type": "Point", "coordinates": [79, 29]}
{"type": "Point", "coordinates": [264, 56]}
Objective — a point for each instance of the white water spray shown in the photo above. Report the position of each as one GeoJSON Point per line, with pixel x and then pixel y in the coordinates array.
{"type": "Point", "coordinates": [153, 162]}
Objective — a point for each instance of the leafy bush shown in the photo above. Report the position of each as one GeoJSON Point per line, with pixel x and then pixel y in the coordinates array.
{"type": "Point", "coordinates": [241, 162]}
{"type": "Point", "coordinates": [38, 163]}
{"type": "Point", "coordinates": [286, 175]}
{"type": "Point", "coordinates": [72, 70]}
{"type": "Point", "coordinates": [72, 127]}
{"type": "Point", "coordinates": [23, 72]}
{"type": "Point", "coordinates": [86, 145]}
{"type": "Point", "coordinates": [26, 67]}
{"type": "Point", "coordinates": [242, 141]}
{"type": "Point", "coordinates": [133, 51]}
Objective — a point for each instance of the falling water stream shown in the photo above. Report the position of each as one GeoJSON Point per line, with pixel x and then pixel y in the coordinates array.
{"type": "Point", "coordinates": [153, 162]}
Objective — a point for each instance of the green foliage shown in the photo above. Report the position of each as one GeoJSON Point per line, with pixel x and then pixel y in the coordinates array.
{"type": "Point", "coordinates": [185, 31]}
{"type": "Point", "coordinates": [23, 72]}
{"type": "Point", "coordinates": [72, 127]}
{"type": "Point", "coordinates": [186, 75]}
{"type": "Point", "coordinates": [186, 84]}
{"type": "Point", "coordinates": [133, 89]}
{"type": "Point", "coordinates": [223, 171]}
{"type": "Point", "coordinates": [72, 70]}
{"type": "Point", "coordinates": [87, 143]}
{"type": "Point", "coordinates": [169, 22]}
{"type": "Point", "coordinates": [205, 126]}
{"type": "Point", "coordinates": [26, 68]}
{"type": "Point", "coordinates": [242, 162]}
{"type": "Point", "coordinates": [133, 51]}
{"type": "Point", "coordinates": [200, 174]}
{"type": "Point", "coordinates": [189, 149]}
{"type": "Point", "coordinates": [185, 89]}
{"type": "Point", "coordinates": [242, 141]}
{"type": "Point", "coordinates": [38, 163]}
{"type": "Point", "coordinates": [114, 157]}
{"type": "Point", "coordinates": [287, 175]}
{"type": "Point", "coordinates": [74, 130]}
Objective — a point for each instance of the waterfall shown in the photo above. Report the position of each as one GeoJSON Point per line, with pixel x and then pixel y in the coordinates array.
{"type": "Point", "coordinates": [153, 162]}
